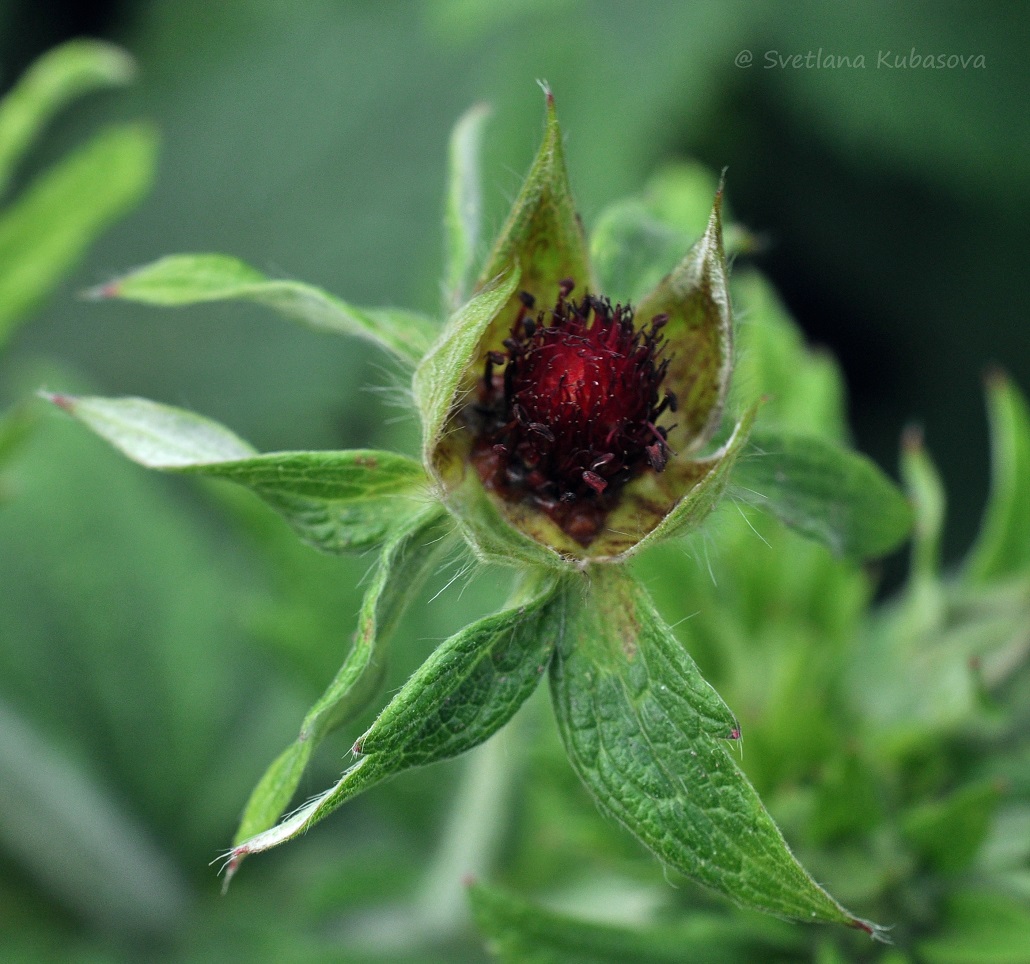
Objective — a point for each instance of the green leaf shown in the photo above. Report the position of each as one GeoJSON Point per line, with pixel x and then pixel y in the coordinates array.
{"type": "Point", "coordinates": [464, 203]}
{"type": "Point", "coordinates": [517, 932]}
{"type": "Point", "coordinates": [646, 734]}
{"type": "Point", "coordinates": [336, 501]}
{"type": "Point", "coordinates": [825, 492]}
{"type": "Point", "coordinates": [927, 497]}
{"type": "Point", "coordinates": [402, 567]}
{"type": "Point", "coordinates": [980, 928]}
{"type": "Point", "coordinates": [189, 279]}
{"type": "Point", "coordinates": [699, 333]}
{"type": "Point", "coordinates": [469, 688]}
{"type": "Point", "coordinates": [1002, 547]}
{"type": "Point", "coordinates": [803, 388]}
{"type": "Point", "coordinates": [948, 833]}
{"type": "Point", "coordinates": [54, 80]}
{"type": "Point", "coordinates": [46, 230]}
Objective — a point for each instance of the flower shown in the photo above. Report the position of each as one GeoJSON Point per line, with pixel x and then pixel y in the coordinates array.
{"type": "Point", "coordinates": [542, 401]}
{"type": "Point", "coordinates": [562, 432]}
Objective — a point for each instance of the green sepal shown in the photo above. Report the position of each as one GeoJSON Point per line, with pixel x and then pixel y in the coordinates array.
{"type": "Point", "coordinates": [336, 501]}
{"type": "Point", "coordinates": [188, 279]}
{"type": "Point", "coordinates": [48, 227]}
{"type": "Point", "coordinates": [58, 77]}
{"type": "Point", "coordinates": [463, 214]}
{"type": "Point", "coordinates": [705, 481]}
{"type": "Point", "coordinates": [469, 687]}
{"type": "Point", "coordinates": [517, 931]}
{"type": "Point", "coordinates": [824, 492]}
{"type": "Point", "coordinates": [646, 735]}
{"type": "Point", "coordinates": [441, 380]}
{"type": "Point", "coordinates": [543, 235]}
{"type": "Point", "coordinates": [699, 332]}
{"type": "Point", "coordinates": [402, 567]}
{"type": "Point", "coordinates": [1003, 547]}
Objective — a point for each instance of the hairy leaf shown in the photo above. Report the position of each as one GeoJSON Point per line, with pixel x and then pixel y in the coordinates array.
{"type": "Point", "coordinates": [187, 279]}
{"type": "Point", "coordinates": [337, 501]}
{"type": "Point", "coordinates": [470, 687]}
{"type": "Point", "coordinates": [646, 734]}
{"type": "Point", "coordinates": [402, 567]}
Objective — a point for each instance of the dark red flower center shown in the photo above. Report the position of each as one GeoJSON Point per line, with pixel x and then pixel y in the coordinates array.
{"type": "Point", "coordinates": [568, 414]}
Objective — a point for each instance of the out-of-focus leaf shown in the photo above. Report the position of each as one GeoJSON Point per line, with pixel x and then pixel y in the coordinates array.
{"type": "Point", "coordinates": [646, 734]}
{"type": "Point", "coordinates": [337, 501]}
{"type": "Point", "coordinates": [188, 279]}
{"type": "Point", "coordinates": [470, 687]}
{"type": "Point", "coordinates": [56, 79]}
{"type": "Point", "coordinates": [926, 495]}
{"type": "Point", "coordinates": [517, 932]}
{"type": "Point", "coordinates": [45, 231]}
{"type": "Point", "coordinates": [802, 387]}
{"type": "Point", "coordinates": [980, 928]}
{"type": "Point", "coordinates": [1003, 546]}
{"type": "Point", "coordinates": [636, 242]}
{"type": "Point", "coordinates": [948, 833]}
{"type": "Point", "coordinates": [15, 426]}
{"type": "Point", "coordinates": [825, 492]}
{"type": "Point", "coordinates": [400, 571]}
{"type": "Point", "coordinates": [77, 841]}
{"type": "Point", "coordinates": [464, 203]}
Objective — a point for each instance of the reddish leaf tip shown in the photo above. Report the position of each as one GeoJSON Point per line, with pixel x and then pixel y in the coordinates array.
{"type": "Point", "coordinates": [912, 439]}
{"type": "Point", "coordinates": [734, 733]}
{"type": "Point", "coordinates": [64, 402]}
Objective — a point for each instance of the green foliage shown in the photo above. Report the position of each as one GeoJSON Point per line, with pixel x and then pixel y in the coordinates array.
{"type": "Point", "coordinates": [191, 279]}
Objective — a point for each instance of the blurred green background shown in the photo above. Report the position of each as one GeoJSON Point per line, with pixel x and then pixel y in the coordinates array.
{"type": "Point", "coordinates": [139, 643]}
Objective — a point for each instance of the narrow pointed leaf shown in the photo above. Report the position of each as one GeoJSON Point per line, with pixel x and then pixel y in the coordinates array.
{"type": "Point", "coordinates": [926, 494]}
{"type": "Point", "coordinates": [825, 492]}
{"type": "Point", "coordinates": [464, 203]}
{"type": "Point", "coordinates": [46, 230]}
{"type": "Point", "coordinates": [336, 501]}
{"type": "Point", "coordinates": [402, 568]}
{"type": "Point", "coordinates": [470, 687]}
{"type": "Point", "coordinates": [1003, 545]}
{"type": "Point", "coordinates": [647, 735]}
{"type": "Point", "coordinates": [696, 299]}
{"type": "Point", "coordinates": [187, 279]}
{"type": "Point", "coordinates": [54, 80]}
